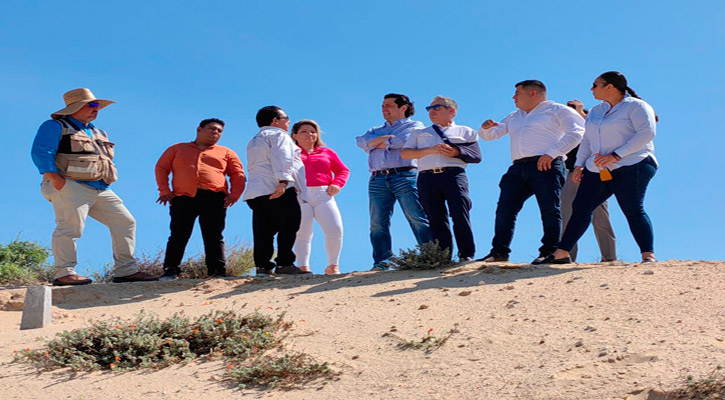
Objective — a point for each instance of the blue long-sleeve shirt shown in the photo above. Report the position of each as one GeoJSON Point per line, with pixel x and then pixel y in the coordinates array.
{"type": "Point", "coordinates": [389, 157]}
{"type": "Point", "coordinates": [45, 147]}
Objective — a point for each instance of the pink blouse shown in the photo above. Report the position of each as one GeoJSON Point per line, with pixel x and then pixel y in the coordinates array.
{"type": "Point", "coordinates": [323, 168]}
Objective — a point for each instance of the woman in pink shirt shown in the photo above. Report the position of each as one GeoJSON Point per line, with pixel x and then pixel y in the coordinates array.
{"type": "Point", "coordinates": [326, 175]}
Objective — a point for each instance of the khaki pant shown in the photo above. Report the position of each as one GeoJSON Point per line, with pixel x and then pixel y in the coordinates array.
{"type": "Point", "coordinates": [72, 204]}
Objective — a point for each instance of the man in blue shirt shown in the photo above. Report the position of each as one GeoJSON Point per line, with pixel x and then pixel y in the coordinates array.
{"type": "Point", "coordinates": [76, 160]}
{"type": "Point", "coordinates": [392, 177]}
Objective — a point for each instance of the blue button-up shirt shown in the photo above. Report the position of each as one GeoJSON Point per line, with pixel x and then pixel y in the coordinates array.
{"type": "Point", "coordinates": [389, 157]}
{"type": "Point", "coordinates": [45, 146]}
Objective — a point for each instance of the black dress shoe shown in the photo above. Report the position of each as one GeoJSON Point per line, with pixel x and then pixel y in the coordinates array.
{"type": "Point", "coordinates": [290, 270]}
{"type": "Point", "coordinates": [492, 257]}
{"type": "Point", "coordinates": [551, 260]}
{"type": "Point", "coordinates": [540, 259]}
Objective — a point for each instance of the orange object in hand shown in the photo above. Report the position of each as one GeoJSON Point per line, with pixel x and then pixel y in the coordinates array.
{"type": "Point", "coordinates": [605, 175]}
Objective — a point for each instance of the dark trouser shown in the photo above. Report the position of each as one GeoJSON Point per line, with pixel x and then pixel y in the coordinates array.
{"type": "Point", "coordinates": [209, 207]}
{"type": "Point", "coordinates": [628, 185]}
{"type": "Point", "coordinates": [450, 186]}
{"type": "Point", "coordinates": [521, 181]}
{"type": "Point", "coordinates": [281, 217]}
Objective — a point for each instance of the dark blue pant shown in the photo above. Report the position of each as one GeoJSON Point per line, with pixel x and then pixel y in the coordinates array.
{"type": "Point", "coordinates": [448, 187]}
{"type": "Point", "coordinates": [281, 217]}
{"type": "Point", "coordinates": [209, 207]}
{"type": "Point", "coordinates": [628, 185]}
{"type": "Point", "coordinates": [520, 182]}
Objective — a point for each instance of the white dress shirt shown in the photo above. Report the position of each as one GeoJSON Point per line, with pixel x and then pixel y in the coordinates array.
{"type": "Point", "coordinates": [273, 156]}
{"type": "Point", "coordinates": [627, 129]}
{"type": "Point", "coordinates": [550, 128]}
{"type": "Point", "coordinates": [427, 137]}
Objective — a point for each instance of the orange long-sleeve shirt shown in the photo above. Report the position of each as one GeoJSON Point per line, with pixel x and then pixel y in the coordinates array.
{"type": "Point", "coordinates": [193, 168]}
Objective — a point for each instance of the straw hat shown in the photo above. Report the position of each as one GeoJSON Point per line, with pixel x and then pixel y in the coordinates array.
{"type": "Point", "coordinates": [75, 100]}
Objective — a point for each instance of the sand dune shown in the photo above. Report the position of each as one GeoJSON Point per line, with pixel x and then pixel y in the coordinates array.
{"type": "Point", "coordinates": [585, 331]}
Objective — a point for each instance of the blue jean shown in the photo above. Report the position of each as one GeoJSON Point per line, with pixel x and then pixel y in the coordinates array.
{"type": "Point", "coordinates": [520, 182]}
{"type": "Point", "coordinates": [629, 185]}
{"type": "Point", "coordinates": [383, 191]}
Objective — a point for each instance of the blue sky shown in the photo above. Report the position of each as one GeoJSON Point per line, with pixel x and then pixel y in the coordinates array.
{"type": "Point", "coordinates": [171, 64]}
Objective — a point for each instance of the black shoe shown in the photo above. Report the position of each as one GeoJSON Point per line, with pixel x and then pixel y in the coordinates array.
{"type": "Point", "coordinates": [493, 257]}
{"type": "Point", "coordinates": [540, 259]}
{"type": "Point", "coordinates": [551, 260]}
{"type": "Point", "coordinates": [290, 270]}
{"type": "Point", "coordinates": [137, 277]}
{"type": "Point", "coordinates": [465, 259]}
{"type": "Point", "coordinates": [264, 271]}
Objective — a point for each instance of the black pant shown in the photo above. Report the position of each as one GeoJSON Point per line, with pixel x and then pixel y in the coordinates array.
{"type": "Point", "coordinates": [521, 181]}
{"type": "Point", "coordinates": [281, 217]}
{"type": "Point", "coordinates": [209, 207]}
{"type": "Point", "coordinates": [450, 187]}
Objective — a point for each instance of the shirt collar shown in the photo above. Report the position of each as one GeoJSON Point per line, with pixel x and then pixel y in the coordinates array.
{"type": "Point", "coordinates": [453, 123]}
{"type": "Point", "coordinates": [398, 122]}
{"type": "Point", "coordinates": [80, 123]}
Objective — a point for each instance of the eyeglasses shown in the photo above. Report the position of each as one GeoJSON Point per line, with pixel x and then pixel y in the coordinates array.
{"type": "Point", "coordinates": [94, 104]}
{"type": "Point", "coordinates": [284, 118]}
{"type": "Point", "coordinates": [435, 107]}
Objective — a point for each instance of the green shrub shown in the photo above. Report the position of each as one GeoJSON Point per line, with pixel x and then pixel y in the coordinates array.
{"type": "Point", "coordinates": [711, 387]}
{"type": "Point", "coordinates": [426, 256]}
{"type": "Point", "coordinates": [24, 262]}
{"type": "Point", "coordinates": [148, 342]}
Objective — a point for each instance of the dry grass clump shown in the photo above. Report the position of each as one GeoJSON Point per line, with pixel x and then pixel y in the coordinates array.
{"type": "Point", "coordinates": [148, 342]}
{"type": "Point", "coordinates": [426, 256]}
{"type": "Point", "coordinates": [239, 260]}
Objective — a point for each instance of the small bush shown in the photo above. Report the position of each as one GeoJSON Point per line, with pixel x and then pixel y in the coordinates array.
{"type": "Point", "coordinates": [712, 387]}
{"type": "Point", "coordinates": [426, 256]}
{"type": "Point", "coordinates": [24, 262]}
{"type": "Point", "coordinates": [148, 342]}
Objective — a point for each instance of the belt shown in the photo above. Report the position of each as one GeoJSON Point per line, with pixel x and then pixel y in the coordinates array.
{"type": "Point", "coordinates": [441, 170]}
{"type": "Point", "coordinates": [391, 171]}
{"type": "Point", "coordinates": [531, 159]}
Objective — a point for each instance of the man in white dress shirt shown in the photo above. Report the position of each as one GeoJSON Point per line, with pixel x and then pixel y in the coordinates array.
{"type": "Point", "coordinates": [542, 133]}
{"type": "Point", "coordinates": [442, 177]}
{"type": "Point", "coordinates": [275, 174]}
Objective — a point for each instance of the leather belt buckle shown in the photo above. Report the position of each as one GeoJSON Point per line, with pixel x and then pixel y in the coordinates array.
{"type": "Point", "coordinates": [437, 170]}
{"type": "Point", "coordinates": [384, 172]}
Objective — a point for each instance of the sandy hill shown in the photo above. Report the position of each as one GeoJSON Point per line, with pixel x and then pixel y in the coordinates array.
{"type": "Point", "coordinates": [585, 331]}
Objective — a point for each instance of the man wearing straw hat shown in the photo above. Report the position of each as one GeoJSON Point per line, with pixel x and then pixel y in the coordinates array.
{"type": "Point", "coordinates": [76, 160]}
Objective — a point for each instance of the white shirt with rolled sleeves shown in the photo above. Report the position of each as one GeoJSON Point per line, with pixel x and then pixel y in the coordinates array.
{"type": "Point", "coordinates": [550, 128]}
{"type": "Point", "coordinates": [627, 129]}
{"type": "Point", "coordinates": [273, 156]}
{"type": "Point", "coordinates": [427, 137]}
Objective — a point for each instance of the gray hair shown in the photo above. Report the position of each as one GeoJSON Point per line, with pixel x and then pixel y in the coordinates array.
{"type": "Point", "coordinates": [447, 101]}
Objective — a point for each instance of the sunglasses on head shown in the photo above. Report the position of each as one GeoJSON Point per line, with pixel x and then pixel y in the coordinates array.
{"type": "Point", "coordinates": [435, 107]}
{"type": "Point", "coordinates": [94, 104]}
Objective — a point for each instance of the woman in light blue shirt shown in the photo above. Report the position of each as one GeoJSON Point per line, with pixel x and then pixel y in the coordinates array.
{"type": "Point", "coordinates": [616, 156]}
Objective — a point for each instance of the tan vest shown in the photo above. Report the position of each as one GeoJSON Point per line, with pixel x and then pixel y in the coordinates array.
{"type": "Point", "coordinates": [83, 158]}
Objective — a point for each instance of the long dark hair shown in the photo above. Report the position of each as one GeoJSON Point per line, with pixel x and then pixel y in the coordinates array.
{"type": "Point", "coordinates": [619, 82]}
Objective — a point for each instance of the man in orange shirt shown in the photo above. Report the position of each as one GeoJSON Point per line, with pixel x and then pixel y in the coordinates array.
{"type": "Point", "coordinates": [199, 190]}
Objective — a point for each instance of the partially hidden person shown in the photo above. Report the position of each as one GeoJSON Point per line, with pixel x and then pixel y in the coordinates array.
{"type": "Point", "coordinates": [442, 180]}
{"type": "Point", "coordinates": [392, 178]}
{"type": "Point", "coordinates": [275, 176]}
{"type": "Point", "coordinates": [325, 175]}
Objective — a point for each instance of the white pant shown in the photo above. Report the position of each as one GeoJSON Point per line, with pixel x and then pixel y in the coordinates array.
{"type": "Point", "coordinates": [72, 204]}
{"type": "Point", "coordinates": [323, 208]}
